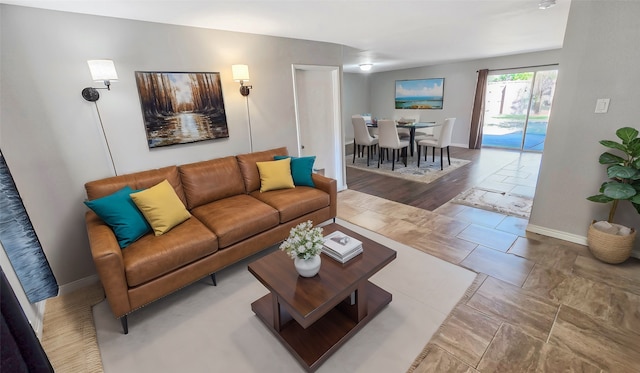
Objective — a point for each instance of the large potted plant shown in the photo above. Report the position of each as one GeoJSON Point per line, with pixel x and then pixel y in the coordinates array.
{"type": "Point", "coordinates": [610, 242]}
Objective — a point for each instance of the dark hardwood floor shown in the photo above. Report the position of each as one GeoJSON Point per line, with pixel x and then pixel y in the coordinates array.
{"type": "Point", "coordinates": [484, 162]}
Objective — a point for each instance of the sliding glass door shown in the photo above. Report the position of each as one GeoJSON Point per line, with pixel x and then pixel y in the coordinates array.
{"type": "Point", "coordinates": [517, 107]}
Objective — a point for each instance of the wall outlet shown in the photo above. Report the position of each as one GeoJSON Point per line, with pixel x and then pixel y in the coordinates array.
{"type": "Point", "coordinates": [602, 105]}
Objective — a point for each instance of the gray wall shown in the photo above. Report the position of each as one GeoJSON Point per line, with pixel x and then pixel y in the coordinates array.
{"type": "Point", "coordinates": [355, 100]}
{"type": "Point", "coordinates": [459, 88]}
{"type": "Point", "coordinates": [598, 60]}
{"type": "Point", "coordinates": [51, 137]}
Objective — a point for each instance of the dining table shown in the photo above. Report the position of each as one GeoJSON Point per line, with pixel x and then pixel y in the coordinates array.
{"type": "Point", "coordinates": [412, 130]}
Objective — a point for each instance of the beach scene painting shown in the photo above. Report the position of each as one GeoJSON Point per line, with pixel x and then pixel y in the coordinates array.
{"type": "Point", "coordinates": [420, 93]}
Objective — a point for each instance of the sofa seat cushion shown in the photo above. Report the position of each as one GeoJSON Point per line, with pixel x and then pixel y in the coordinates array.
{"type": "Point", "coordinates": [153, 256]}
{"type": "Point", "coordinates": [236, 218]}
{"type": "Point", "coordinates": [294, 203]}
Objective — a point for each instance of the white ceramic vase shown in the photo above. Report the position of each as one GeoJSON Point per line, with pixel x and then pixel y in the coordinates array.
{"type": "Point", "coordinates": [308, 267]}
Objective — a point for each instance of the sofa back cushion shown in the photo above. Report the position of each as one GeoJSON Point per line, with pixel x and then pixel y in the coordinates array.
{"type": "Point", "coordinates": [249, 169]}
{"type": "Point", "coordinates": [212, 180]}
{"type": "Point", "coordinates": [139, 180]}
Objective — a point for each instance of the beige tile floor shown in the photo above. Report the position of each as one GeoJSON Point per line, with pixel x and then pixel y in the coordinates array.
{"type": "Point", "coordinates": [541, 304]}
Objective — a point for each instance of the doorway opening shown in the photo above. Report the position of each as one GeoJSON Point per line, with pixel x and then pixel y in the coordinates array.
{"type": "Point", "coordinates": [517, 107]}
{"type": "Point", "coordinates": [316, 91]}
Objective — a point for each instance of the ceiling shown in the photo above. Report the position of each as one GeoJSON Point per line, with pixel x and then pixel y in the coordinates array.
{"type": "Point", "coordinates": [390, 34]}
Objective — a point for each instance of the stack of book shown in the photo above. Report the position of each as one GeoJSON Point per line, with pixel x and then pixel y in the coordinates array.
{"type": "Point", "coordinates": [341, 247]}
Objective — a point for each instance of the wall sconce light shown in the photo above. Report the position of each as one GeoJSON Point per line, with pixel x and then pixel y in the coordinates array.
{"type": "Point", "coordinates": [241, 74]}
{"type": "Point", "coordinates": [366, 66]}
{"type": "Point", "coordinates": [101, 71]}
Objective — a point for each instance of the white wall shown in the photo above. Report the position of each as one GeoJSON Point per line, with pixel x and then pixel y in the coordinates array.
{"type": "Point", "coordinates": [459, 88]}
{"type": "Point", "coordinates": [51, 137]}
{"type": "Point", "coordinates": [355, 100]}
{"type": "Point", "coordinates": [598, 60]}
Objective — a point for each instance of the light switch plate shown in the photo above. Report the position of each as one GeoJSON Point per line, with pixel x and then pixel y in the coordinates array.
{"type": "Point", "coordinates": [602, 105]}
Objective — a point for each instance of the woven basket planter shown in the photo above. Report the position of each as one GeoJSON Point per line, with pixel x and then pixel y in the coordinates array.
{"type": "Point", "coordinates": [610, 248]}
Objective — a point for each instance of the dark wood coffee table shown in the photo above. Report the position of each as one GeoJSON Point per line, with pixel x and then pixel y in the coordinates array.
{"type": "Point", "coordinates": [314, 316]}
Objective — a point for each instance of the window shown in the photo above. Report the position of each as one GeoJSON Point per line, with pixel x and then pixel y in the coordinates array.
{"type": "Point", "coordinates": [517, 107]}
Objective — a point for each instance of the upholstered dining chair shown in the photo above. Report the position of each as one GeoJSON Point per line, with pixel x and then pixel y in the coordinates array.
{"type": "Point", "coordinates": [389, 140]}
{"type": "Point", "coordinates": [426, 132]}
{"type": "Point", "coordinates": [362, 137]}
{"type": "Point", "coordinates": [373, 131]}
{"type": "Point", "coordinates": [405, 133]}
{"type": "Point", "coordinates": [443, 140]}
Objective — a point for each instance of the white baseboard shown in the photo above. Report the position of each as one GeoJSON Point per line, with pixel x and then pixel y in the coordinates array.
{"type": "Point", "coordinates": [575, 238]}
{"type": "Point", "coordinates": [38, 322]}
{"type": "Point", "coordinates": [582, 240]}
{"type": "Point", "coordinates": [78, 284]}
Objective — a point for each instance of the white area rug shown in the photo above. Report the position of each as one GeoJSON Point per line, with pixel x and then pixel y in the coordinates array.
{"type": "Point", "coordinates": [492, 200]}
{"type": "Point", "coordinates": [427, 173]}
{"type": "Point", "coordinates": [212, 329]}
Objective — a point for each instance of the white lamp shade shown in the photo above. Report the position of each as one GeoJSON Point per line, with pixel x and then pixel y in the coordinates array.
{"type": "Point", "coordinates": [366, 66]}
{"type": "Point", "coordinates": [102, 70]}
{"type": "Point", "coordinates": [240, 72]}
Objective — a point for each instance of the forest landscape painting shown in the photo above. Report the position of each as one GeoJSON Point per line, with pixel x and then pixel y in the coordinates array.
{"type": "Point", "coordinates": [419, 93]}
{"type": "Point", "coordinates": [180, 108]}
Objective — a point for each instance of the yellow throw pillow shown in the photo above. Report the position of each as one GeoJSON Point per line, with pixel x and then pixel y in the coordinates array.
{"type": "Point", "coordinates": [161, 206]}
{"type": "Point", "coordinates": [275, 175]}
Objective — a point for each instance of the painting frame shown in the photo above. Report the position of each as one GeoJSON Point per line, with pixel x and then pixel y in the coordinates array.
{"type": "Point", "coordinates": [419, 94]}
{"type": "Point", "coordinates": [181, 107]}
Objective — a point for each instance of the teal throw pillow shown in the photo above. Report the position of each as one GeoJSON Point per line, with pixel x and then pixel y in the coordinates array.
{"type": "Point", "coordinates": [301, 169]}
{"type": "Point", "coordinates": [121, 214]}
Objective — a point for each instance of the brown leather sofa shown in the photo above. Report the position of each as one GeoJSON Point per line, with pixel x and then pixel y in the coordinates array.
{"type": "Point", "coordinates": [231, 220]}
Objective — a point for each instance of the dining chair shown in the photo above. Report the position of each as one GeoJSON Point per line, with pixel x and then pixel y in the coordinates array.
{"type": "Point", "coordinates": [362, 137]}
{"type": "Point", "coordinates": [373, 131]}
{"type": "Point", "coordinates": [426, 132]}
{"type": "Point", "coordinates": [389, 140]}
{"type": "Point", "coordinates": [442, 141]}
{"type": "Point", "coordinates": [405, 133]}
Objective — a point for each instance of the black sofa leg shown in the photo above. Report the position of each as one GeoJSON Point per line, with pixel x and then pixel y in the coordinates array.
{"type": "Point", "coordinates": [125, 324]}
{"type": "Point", "coordinates": [213, 278]}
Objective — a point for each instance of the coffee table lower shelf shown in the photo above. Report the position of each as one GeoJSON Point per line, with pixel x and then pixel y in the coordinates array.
{"type": "Point", "coordinates": [313, 345]}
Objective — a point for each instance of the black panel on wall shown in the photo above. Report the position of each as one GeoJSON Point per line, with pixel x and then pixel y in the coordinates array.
{"type": "Point", "coordinates": [21, 243]}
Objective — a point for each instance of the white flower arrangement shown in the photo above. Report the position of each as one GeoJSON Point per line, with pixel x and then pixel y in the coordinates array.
{"type": "Point", "coordinates": [304, 241]}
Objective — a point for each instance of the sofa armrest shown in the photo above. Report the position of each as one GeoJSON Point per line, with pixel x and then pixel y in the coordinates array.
{"type": "Point", "coordinates": [329, 186]}
{"type": "Point", "coordinates": [109, 263]}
